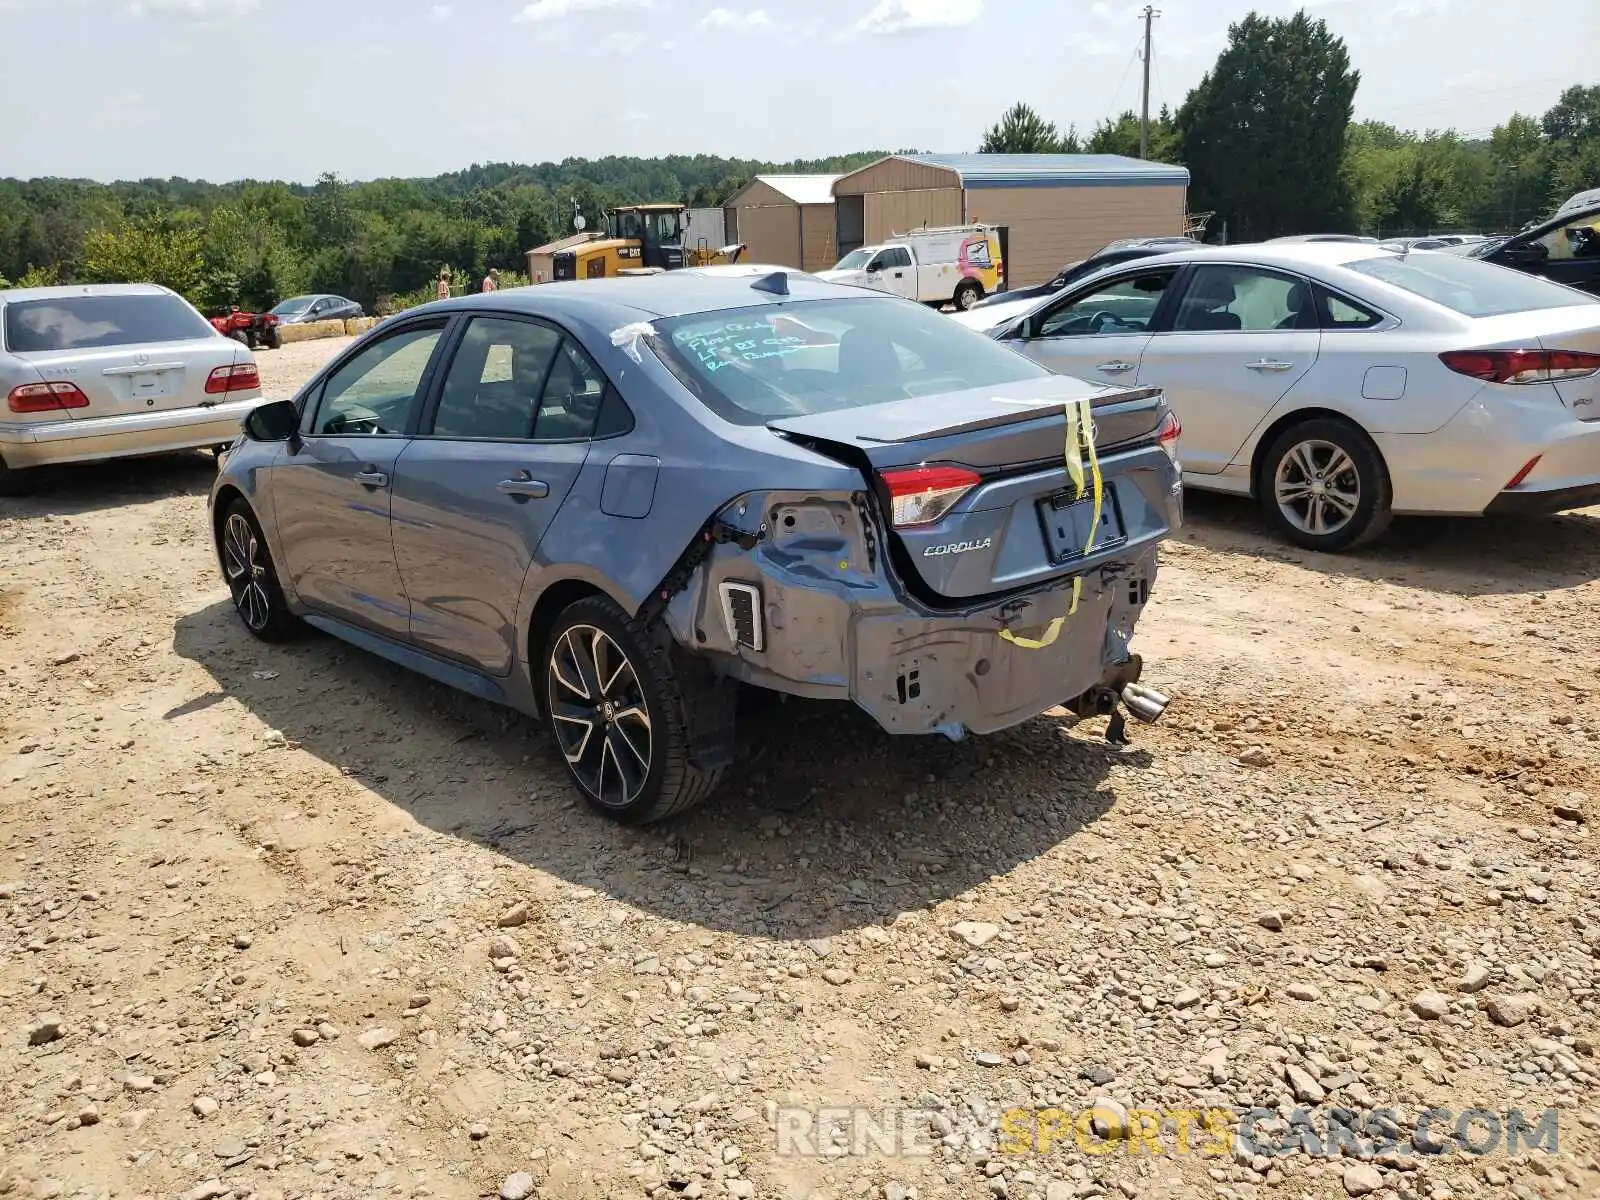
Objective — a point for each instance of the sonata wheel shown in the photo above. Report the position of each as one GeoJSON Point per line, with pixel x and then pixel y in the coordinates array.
{"type": "Point", "coordinates": [1318, 488]}
{"type": "Point", "coordinates": [600, 716]}
{"type": "Point", "coordinates": [247, 572]}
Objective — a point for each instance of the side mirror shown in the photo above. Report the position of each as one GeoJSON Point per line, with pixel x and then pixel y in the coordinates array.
{"type": "Point", "coordinates": [275, 422]}
{"type": "Point", "coordinates": [874, 265]}
{"type": "Point", "coordinates": [1526, 255]}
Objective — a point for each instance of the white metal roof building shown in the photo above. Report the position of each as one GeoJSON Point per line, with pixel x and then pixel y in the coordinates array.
{"type": "Point", "coordinates": [1052, 208]}
{"type": "Point", "coordinates": [785, 219]}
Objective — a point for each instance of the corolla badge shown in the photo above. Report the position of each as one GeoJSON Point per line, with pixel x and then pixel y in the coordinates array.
{"type": "Point", "coordinates": [956, 548]}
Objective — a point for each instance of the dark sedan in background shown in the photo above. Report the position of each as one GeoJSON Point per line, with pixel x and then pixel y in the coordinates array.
{"type": "Point", "coordinates": [1112, 253]}
{"type": "Point", "coordinates": [303, 309]}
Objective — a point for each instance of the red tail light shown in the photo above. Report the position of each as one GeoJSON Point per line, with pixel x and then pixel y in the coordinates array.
{"type": "Point", "coordinates": [45, 397]}
{"type": "Point", "coordinates": [241, 378]}
{"type": "Point", "coordinates": [1168, 434]}
{"type": "Point", "coordinates": [1521, 366]}
{"type": "Point", "coordinates": [923, 495]}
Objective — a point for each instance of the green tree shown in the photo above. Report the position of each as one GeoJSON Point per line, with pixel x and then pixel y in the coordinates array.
{"type": "Point", "coordinates": [1022, 131]}
{"type": "Point", "coordinates": [1121, 136]}
{"type": "Point", "coordinates": [148, 251]}
{"type": "Point", "coordinates": [1263, 133]}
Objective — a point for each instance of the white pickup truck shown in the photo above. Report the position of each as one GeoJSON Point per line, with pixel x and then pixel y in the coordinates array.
{"type": "Point", "coordinates": [959, 265]}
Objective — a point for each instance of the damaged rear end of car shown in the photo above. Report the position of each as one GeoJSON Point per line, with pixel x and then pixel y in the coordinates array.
{"type": "Point", "coordinates": [987, 553]}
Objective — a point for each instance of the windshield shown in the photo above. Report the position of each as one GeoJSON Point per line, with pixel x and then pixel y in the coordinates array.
{"type": "Point", "coordinates": [853, 261]}
{"type": "Point", "coordinates": [1471, 288]}
{"type": "Point", "coordinates": [90, 322]}
{"type": "Point", "coordinates": [754, 365]}
{"type": "Point", "coordinates": [298, 304]}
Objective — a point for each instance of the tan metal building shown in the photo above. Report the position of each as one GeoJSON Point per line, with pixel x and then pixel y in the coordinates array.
{"type": "Point", "coordinates": [541, 259]}
{"type": "Point", "coordinates": [786, 220]}
{"type": "Point", "coordinates": [1051, 209]}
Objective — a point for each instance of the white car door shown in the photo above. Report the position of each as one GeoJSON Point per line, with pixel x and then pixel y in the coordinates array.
{"type": "Point", "coordinates": [1234, 343]}
{"type": "Point", "coordinates": [1098, 332]}
{"type": "Point", "coordinates": [899, 274]}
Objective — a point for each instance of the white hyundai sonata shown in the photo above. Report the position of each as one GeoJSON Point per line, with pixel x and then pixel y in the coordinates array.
{"type": "Point", "coordinates": [1340, 384]}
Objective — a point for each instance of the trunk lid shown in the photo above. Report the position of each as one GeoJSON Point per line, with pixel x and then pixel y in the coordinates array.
{"type": "Point", "coordinates": [1576, 328]}
{"type": "Point", "coordinates": [1020, 523]}
{"type": "Point", "coordinates": [147, 377]}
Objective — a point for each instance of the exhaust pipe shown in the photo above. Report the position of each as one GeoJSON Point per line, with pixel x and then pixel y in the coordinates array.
{"type": "Point", "coordinates": [1145, 703]}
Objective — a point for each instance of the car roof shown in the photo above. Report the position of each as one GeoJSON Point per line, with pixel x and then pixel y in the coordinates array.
{"type": "Point", "coordinates": [19, 295]}
{"type": "Point", "coordinates": [1289, 255]}
{"type": "Point", "coordinates": [646, 297]}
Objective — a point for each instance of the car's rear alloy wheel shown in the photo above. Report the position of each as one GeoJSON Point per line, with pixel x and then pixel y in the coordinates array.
{"type": "Point", "coordinates": [252, 582]}
{"type": "Point", "coordinates": [600, 716]}
{"type": "Point", "coordinates": [618, 715]}
{"type": "Point", "coordinates": [1324, 484]}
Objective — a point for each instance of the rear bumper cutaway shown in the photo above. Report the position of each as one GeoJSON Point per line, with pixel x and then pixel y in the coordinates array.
{"type": "Point", "coordinates": [813, 609]}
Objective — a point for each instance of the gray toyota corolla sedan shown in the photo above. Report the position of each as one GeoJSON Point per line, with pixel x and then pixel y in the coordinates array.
{"type": "Point", "coordinates": [609, 502]}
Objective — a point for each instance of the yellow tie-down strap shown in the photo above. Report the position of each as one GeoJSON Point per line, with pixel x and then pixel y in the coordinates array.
{"type": "Point", "coordinates": [1080, 446]}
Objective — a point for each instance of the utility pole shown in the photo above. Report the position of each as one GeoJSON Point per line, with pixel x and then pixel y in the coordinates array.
{"type": "Point", "coordinates": [1144, 111]}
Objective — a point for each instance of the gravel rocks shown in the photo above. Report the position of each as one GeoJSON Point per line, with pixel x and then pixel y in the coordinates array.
{"type": "Point", "coordinates": [1430, 1006]}
{"type": "Point", "coordinates": [1362, 1179]}
{"type": "Point", "coordinates": [45, 1029]}
{"type": "Point", "coordinates": [518, 1186]}
{"type": "Point", "coordinates": [1509, 1010]}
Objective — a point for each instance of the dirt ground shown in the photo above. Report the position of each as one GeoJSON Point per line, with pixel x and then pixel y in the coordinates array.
{"type": "Point", "coordinates": [290, 922]}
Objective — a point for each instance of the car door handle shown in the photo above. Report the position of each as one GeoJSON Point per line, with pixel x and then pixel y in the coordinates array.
{"type": "Point", "coordinates": [1269, 364]}
{"type": "Point", "coordinates": [524, 488]}
{"type": "Point", "coordinates": [372, 478]}
{"type": "Point", "coordinates": [1116, 368]}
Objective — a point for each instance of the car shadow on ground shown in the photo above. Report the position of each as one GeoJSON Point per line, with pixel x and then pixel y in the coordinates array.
{"type": "Point", "coordinates": [75, 488]}
{"type": "Point", "coordinates": [1467, 556]}
{"type": "Point", "coordinates": [825, 823]}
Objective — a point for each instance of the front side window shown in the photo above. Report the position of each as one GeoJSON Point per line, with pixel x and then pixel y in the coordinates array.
{"type": "Point", "coordinates": [753, 365]}
{"type": "Point", "coordinates": [371, 394]}
{"type": "Point", "coordinates": [1120, 306]}
{"type": "Point", "coordinates": [1578, 238]}
{"type": "Point", "coordinates": [93, 322]}
{"type": "Point", "coordinates": [854, 261]}
{"type": "Point", "coordinates": [1243, 299]}
{"type": "Point", "coordinates": [897, 257]}
{"type": "Point", "coordinates": [492, 390]}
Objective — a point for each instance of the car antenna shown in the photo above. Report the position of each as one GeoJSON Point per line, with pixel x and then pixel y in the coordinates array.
{"type": "Point", "coordinates": [777, 283]}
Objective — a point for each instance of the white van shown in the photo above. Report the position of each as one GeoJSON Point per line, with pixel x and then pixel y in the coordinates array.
{"type": "Point", "coordinates": [959, 265]}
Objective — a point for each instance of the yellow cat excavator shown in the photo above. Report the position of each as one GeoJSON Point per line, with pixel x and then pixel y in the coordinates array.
{"type": "Point", "coordinates": [639, 237]}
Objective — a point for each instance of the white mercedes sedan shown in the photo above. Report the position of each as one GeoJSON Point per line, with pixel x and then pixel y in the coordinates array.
{"type": "Point", "coordinates": [113, 371]}
{"type": "Point", "coordinates": [1339, 383]}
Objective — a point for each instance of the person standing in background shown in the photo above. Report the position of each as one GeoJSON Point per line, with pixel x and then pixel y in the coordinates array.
{"type": "Point", "coordinates": [491, 281]}
{"type": "Point", "coordinates": [444, 283]}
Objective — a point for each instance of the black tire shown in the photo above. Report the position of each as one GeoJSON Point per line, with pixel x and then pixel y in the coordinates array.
{"type": "Point", "coordinates": [968, 293]}
{"type": "Point", "coordinates": [271, 340]}
{"type": "Point", "coordinates": [1320, 466]}
{"type": "Point", "coordinates": [240, 335]}
{"type": "Point", "coordinates": [252, 579]}
{"type": "Point", "coordinates": [587, 693]}
{"type": "Point", "coordinates": [14, 481]}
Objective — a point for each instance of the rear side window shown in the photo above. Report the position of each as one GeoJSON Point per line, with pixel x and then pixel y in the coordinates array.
{"type": "Point", "coordinates": [1467, 286]}
{"type": "Point", "coordinates": [492, 390]}
{"type": "Point", "coordinates": [754, 365]}
{"type": "Point", "coordinates": [92, 322]}
{"type": "Point", "coordinates": [1340, 313]}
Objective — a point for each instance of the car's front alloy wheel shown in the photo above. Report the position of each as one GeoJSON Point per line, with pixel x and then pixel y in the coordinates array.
{"type": "Point", "coordinates": [252, 581]}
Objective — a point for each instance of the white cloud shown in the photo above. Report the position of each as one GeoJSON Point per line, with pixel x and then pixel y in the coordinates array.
{"type": "Point", "coordinates": [443, 12]}
{"type": "Point", "coordinates": [1092, 45]}
{"type": "Point", "coordinates": [905, 16]}
{"type": "Point", "coordinates": [10, 6]}
{"type": "Point", "coordinates": [624, 41]}
{"type": "Point", "coordinates": [195, 10]}
{"type": "Point", "coordinates": [553, 10]}
{"type": "Point", "coordinates": [736, 22]}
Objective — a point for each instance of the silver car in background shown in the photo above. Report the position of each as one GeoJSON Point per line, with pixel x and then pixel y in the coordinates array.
{"type": "Point", "coordinates": [1341, 383]}
{"type": "Point", "coordinates": [111, 371]}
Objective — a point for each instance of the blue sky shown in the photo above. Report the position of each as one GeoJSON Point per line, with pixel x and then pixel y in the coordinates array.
{"type": "Point", "coordinates": [222, 89]}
